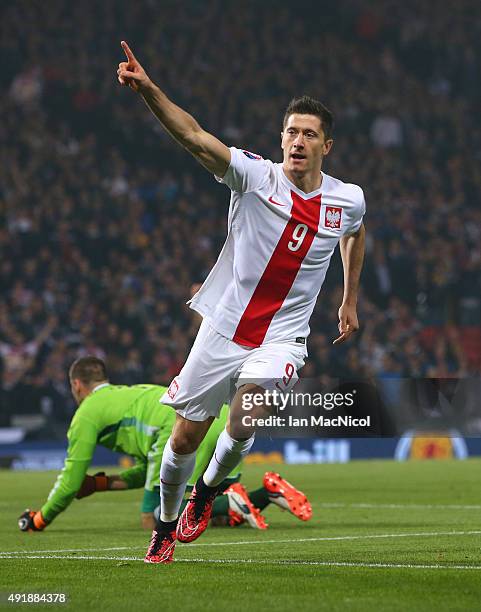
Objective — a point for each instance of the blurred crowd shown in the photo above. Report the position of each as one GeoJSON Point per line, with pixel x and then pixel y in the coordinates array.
{"type": "Point", "coordinates": [105, 223]}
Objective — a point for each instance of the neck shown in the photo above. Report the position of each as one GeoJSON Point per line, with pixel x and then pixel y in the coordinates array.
{"type": "Point", "coordinates": [86, 391]}
{"type": "Point", "coordinates": [306, 182]}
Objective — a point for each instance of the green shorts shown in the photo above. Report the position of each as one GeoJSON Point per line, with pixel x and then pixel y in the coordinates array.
{"type": "Point", "coordinates": [151, 500]}
{"type": "Point", "coordinates": [154, 459]}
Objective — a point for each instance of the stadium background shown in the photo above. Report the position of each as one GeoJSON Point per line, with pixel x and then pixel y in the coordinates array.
{"type": "Point", "coordinates": [105, 223]}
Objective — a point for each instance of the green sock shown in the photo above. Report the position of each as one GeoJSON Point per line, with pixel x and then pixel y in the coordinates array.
{"type": "Point", "coordinates": [260, 498]}
{"type": "Point", "coordinates": [221, 506]}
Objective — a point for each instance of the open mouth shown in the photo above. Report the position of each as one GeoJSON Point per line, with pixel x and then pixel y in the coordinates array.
{"type": "Point", "coordinates": [297, 156]}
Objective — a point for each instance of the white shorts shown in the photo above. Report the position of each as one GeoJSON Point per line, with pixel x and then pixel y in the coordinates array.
{"type": "Point", "coordinates": [217, 366]}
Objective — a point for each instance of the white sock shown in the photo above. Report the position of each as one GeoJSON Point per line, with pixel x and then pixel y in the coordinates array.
{"type": "Point", "coordinates": [228, 453]}
{"type": "Point", "coordinates": [175, 471]}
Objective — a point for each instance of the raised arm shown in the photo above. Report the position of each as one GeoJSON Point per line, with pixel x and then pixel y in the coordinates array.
{"type": "Point", "coordinates": [352, 255]}
{"type": "Point", "coordinates": [207, 149]}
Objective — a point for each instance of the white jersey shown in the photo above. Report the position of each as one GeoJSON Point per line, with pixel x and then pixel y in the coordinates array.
{"type": "Point", "coordinates": [264, 285]}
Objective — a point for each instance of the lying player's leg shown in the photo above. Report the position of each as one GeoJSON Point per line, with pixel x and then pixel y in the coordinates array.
{"type": "Point", "coordinates": [240, 509]}
{"type": "Point", "coordinates": [237, 506]}
{"type": "Point", "coordinates": [286, 496]}
{"type": "Point", "coordinates": [231, 509]}
{"type": "Point", "coordinates": [246, 506]}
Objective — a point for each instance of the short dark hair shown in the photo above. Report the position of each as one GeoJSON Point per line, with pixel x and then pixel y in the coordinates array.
{"type": "Point", "coordinates": [88, 369]}
{"type": "Point", "coordinates": [305, 105]}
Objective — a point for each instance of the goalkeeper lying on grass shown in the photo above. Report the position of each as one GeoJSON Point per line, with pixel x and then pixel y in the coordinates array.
{"type": "Point", "coordinates": [131, 420]}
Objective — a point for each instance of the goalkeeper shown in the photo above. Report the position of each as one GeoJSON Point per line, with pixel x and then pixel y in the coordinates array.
{"type": "Point", "coordinates": [131, 420]}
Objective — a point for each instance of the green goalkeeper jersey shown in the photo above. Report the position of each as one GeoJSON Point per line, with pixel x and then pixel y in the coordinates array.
{"type": "Point", "coordinates": [125, 419]}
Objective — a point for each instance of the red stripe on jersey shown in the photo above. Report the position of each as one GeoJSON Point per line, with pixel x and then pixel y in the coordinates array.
{"type": "Point", "coordinates": [281, 271]}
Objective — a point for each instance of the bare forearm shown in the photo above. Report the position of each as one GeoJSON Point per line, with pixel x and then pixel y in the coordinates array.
{"type": "Point", "coordinates": [352, 254]}
{"type": "Point", "coordinates": [206, 148]}
{"type": "Point", "coordinates": [177, 122]}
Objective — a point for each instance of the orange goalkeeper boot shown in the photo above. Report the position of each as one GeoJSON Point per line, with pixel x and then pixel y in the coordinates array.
{"type": "Point", "coordinates": [287, 497]}
{"type": "Point", "coordinates": [241, 509]}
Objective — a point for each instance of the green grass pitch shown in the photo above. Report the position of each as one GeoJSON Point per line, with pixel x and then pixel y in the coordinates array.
{"type": "Point", "coordinates": [384, 536]}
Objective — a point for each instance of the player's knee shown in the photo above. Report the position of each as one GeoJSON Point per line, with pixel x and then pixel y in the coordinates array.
{"type": "Point", "coordinates": [183, 443]}
{"type": "Point", "coordinates": [250, 400]}
{"type": "Point", "coordinates": [187, 435]}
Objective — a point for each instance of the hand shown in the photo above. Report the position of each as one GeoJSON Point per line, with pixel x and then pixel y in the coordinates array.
{"type": "Point", "coordinates": [348, 323]}
{"type": "Point", "coordinates": [31, 520]}
{"type": "Point", "coordinates": [97, 482]}
{"type": "Point", "coordinates": [131, 73]}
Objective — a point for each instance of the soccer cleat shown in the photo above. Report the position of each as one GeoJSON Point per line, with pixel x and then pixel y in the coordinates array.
{"type": "Point", "coordinates": [161, 548]}
{"type": "Point", "coordinates": [234, 518]}
{"type": "Point", "coordinates": [287, 497]}
{"type": "Point", "coordinates": [196, 515]}
{"type": "Point", "coordinates": [241, 509]}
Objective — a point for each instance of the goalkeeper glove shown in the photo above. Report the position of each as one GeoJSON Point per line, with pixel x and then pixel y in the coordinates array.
{"type": "Point", "coordinates": [97, 482]}
{"type": "Point", "coordinates": [31, 520]}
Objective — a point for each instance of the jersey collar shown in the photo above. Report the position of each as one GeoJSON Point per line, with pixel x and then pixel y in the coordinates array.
{"type": "Point", "coordinates": [303, 194]}
{"type": "Point", "coordinates": [98, 387]}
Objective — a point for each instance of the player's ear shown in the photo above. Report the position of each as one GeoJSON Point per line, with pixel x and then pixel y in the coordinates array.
{"type": "Point", "coordinates": [76, 385]}
{"type": "Point", "coordinates": [282, 136]}
{"type": "Point", "coordinates": [327, 146]}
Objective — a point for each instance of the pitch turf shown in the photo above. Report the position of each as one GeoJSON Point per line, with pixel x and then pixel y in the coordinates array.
{"type": "Point", "coordinates": [384, 536]}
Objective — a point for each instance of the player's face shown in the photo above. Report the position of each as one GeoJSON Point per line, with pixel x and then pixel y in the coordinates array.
{"type": "Point", "coordinates": [304, 144]}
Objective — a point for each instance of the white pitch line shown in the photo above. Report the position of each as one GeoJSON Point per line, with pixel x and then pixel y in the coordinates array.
{"type": "Point", "coordinates": [275, 562]}
{"type": "Point", "coordinates": [67, 550]}
{"type": "Point", "coordinates": [401, 506]}
{"type": "Point", "coordinates": [334, 505]}
{"type": "Point", "coordinates": [257, 542]}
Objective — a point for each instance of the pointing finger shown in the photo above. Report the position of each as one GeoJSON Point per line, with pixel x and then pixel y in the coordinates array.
{"type": "Point", "coordinates": [128, 51]}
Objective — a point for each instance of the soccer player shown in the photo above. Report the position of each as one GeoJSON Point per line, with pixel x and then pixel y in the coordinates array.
{"type": "Point", "coordinates": [125, 419]}
{"type": "Point", "coordinates": [284, 223]}
{"type": "Point", "coordinates": [132, 420]}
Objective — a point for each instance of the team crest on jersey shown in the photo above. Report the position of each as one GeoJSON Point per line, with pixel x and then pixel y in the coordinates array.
{"type": "Point", "coordinates": [333, 217]}
{"type": "Point", "coordinates": [173, 388]}
{"type": "Point", "coordinates": [251, 155]}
